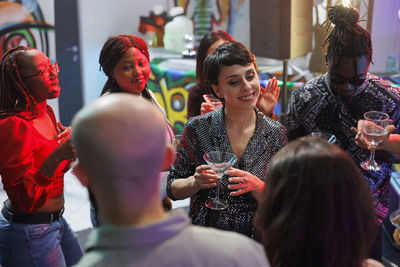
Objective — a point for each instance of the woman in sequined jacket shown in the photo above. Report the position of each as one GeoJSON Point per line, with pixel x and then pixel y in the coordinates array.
{"type": "Point", "coordinates": [237, 127]}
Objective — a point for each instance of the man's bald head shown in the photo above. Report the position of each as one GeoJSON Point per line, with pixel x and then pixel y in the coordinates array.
{"type": "Point", "coordinates": [121, 144]}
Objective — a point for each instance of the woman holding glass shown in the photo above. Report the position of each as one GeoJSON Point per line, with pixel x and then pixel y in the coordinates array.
{"type": "Point", "coordinates": [237, 127]}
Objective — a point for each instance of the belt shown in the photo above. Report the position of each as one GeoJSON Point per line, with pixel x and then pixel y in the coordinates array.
{"type": "Point", "coordinates": [30, 218]}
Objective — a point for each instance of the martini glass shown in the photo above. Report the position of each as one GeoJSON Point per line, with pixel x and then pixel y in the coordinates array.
{"type": "Point", "coordinates": [374, 131]}
{"type": "Point", "coordinates": [219, 162]}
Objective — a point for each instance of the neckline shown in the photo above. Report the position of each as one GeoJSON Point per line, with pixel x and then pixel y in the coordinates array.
{"type": "Point", "coordinates": [52, 118]}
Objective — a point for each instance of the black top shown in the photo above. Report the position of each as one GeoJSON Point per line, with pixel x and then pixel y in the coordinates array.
{"type": "Point", "coordinates": [195, 99]}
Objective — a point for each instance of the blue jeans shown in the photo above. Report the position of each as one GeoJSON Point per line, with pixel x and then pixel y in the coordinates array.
{"type": "Point", "coordinates": [41, 245]}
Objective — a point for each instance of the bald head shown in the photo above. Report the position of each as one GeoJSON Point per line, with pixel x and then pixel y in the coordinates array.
{"type": "Point", "coordinates": [121, 143]}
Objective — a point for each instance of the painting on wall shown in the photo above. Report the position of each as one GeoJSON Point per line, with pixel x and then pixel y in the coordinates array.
{"type": "Point", "coordinates": [171, 88]}
{"type": "Point", "coordinates": [22, 23]}
{"type": "Point", "coordinates": [208, 15]}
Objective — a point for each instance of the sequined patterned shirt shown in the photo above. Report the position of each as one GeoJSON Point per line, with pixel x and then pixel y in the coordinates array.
{"type": "Point", "coordinates": [208, 133]}
{"type": "Point", "coordinates": [316, 108]}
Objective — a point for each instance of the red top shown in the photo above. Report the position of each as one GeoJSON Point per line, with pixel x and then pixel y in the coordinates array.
{"type": "Point", "coordinates": [22, 151]}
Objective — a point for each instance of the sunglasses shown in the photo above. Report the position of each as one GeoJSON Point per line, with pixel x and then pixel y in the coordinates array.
{"type": "Point", "coordinates": [46, 74]}
{"type": "Point", "coordinates": [342, 80]}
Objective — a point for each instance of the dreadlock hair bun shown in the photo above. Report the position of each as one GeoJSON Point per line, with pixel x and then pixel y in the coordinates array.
{"type": "Point", "coordinates": [343, 16]}
{"type": "Point", "coordinates": [348, 37]}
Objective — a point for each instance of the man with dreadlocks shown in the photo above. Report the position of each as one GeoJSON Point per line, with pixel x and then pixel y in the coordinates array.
{"type": "Point", "coordinates": [335, 101]}
{"type": "Point", "coordinates": [35, 153]}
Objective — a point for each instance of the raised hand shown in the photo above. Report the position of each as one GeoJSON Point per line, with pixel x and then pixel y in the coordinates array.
{"type": "Point", "coordinates": [268, 97]}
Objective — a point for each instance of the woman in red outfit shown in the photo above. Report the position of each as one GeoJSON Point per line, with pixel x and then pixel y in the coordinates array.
{"type": "Point", "coordinates": [35, 153]}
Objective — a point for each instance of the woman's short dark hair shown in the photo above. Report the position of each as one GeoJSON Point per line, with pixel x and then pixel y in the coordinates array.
{"type": "Point", "coordinates": [208, 40]}
{"type": "Point", "coordinates": [347, 38]}
{"type": "Point", "coordinates": [228, 54]}
{"type": "Point", "coordinates": [15, 97]}
{"type": "Point", "coordinates": [113, 50]}
{"type": "Point", "coordinates": [316, 209]}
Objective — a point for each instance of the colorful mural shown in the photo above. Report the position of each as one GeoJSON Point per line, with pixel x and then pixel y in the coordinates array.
{"type": "Point", "coordinates": [171, 88]}
{"type": "Point", "coordinates": [208, 15]}
{"type": "Point", "coordinates": [22, 23]}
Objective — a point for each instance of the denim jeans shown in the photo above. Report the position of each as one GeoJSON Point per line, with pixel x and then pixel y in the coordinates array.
{"type": "Point", "coordinates": [44, 245]}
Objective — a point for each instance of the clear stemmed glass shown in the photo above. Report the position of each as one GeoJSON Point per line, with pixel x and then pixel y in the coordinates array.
{"type": "Point", "coordinates": [177, 139]}
{"type": "Point", "coordinates": [374, 132]}
{"type": "Point", "coordinates": [219, 162]}
{"type": "Point", "coordinates": [395, 218]}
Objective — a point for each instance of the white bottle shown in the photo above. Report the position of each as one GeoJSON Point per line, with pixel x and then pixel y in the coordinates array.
{"type": "Point", "coordinates": [175, 30]}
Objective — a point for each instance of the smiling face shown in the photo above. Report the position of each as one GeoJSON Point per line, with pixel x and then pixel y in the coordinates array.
{"type": "Point", "coordinates": [132, 71]}
{"type": "Point", "coordinates": [238, 85]}
{"type": "Point", "coordinates": [345, 79]}
{"type": "Point", "coordinates": [42, 79]}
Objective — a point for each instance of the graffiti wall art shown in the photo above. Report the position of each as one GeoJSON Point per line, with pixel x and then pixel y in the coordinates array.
{"type": "Point", "coordinates": [171, 88]}
{"type": "Point", "coordinates": [22, 23]}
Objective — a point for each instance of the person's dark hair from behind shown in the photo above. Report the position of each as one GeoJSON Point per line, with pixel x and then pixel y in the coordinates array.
{"type": "Point", "coordinates": [347, 38]}
{"type": "Point", "coordinates": [228, 54]}
{"type": "Point", "coordinates": [113, 50]}
{"type": "Point", "coordinates": [316, 210]}
{"type": "Point", "coordinates": [208, 40]}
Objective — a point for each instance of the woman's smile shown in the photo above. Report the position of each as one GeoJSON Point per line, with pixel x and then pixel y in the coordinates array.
{"type": "Point", "coordinates": [248, 98]}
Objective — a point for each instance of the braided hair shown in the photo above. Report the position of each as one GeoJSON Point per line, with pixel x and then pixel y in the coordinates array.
{"type": "Point", "coordinates": [15, 97]}
{"type": "Point", "coordinates": [113, 50]}
{"type": "Point", "coordinates": [347, 38]}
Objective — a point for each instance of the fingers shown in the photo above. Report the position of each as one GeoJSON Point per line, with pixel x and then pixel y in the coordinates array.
{"type": "Point", "coordinates": [360, 140]}
{"type": "Point", "coordinates": [360, 125]}
{"type": "Point", "coordinates": [390, 129]}
{"type": "Point", "coordinates": [64, 135]}
{"type": "Point", "coordinates": [235, 172]}
{"type": "Point", "coordinates": [262, 89]}
{"type": "Point", "coordinates": [206, 107]}
{"type": "Point", "coordinates": [272, 87]}
{"type": "Point", "coordinates": [61, 127]}
{"type": "Point", "coordinates": [204, 177]}
{"type": "Point", "coordinates": [240, 184]}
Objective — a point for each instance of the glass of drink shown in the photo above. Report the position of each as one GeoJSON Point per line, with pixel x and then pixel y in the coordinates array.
{"type": "Point", "coordinates": [219, 162]}
{"type": "Point", "coordinates": [177, 139]}
{"type": "Point", "coordinates": [374, 131]}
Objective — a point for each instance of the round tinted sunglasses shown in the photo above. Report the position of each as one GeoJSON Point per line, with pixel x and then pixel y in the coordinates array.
{"type": "Point", "coordinates": [342, 80]}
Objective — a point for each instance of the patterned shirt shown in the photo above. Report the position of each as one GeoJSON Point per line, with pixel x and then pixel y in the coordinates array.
{"type": "Point", "coordinates": [208, 133]}
{"type": "Point", "coordinates": [317, 108]}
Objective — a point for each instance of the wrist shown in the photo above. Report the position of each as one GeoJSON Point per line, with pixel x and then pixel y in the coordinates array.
{"type": "Point", "coordinates": [192, 183]}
